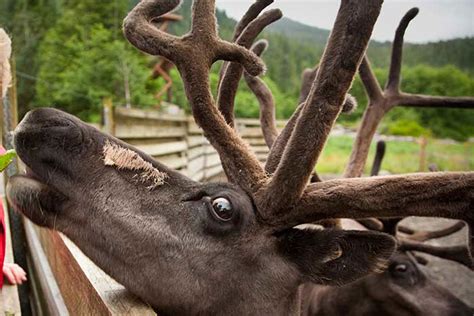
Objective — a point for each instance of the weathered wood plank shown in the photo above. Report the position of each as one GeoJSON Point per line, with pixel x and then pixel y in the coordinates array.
{"type": "Point", "coordinates": [148, 114]}
{"type": "Point", "coordinates": [196, 152]}
{"type": "Point", "coordinates": [85, 288]}
{"type": "Point", "coordinates": [212, 172]}
{"type": "Point", "coordinates": [173, 161]}
{"type": "Point", "coordinates": [144, 131]}
{"type": "Point", "coordinates": [48, 298]}
{"type": "Point", "coordinates": [196, 140]}
{"type": "Point", "coordinates": [212, 160]}
{"type": "Point", "coordinates": [116, 298]}
{"type": "Point", "coordinates": [196, 165]}
{"type": "Point", "coordinates": [164, 148]}
{"type": "Point", "coordinates": [260, 149]}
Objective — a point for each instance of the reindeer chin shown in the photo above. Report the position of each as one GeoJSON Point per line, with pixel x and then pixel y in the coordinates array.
{"type": "Point", "coordinates": [34, 199]}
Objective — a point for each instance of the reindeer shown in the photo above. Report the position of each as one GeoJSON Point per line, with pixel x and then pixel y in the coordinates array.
{"type": "Point", "coordinates": [222, 248]}
{"type": "Point", "coordinates": [403, 288]}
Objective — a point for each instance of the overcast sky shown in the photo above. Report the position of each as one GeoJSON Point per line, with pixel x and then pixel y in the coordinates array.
{"type": "Point", "coordinates": [437, 20]}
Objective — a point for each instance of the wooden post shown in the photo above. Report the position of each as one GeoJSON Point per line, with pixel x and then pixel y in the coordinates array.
{"type": "Point", "coordinates": [109, 120]}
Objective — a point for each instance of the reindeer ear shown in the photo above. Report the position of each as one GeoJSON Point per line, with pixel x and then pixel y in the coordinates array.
{"type": "Point", "coordinates": [335, 257]}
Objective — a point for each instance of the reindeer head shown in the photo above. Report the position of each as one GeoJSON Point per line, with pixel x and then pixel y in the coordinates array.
{"type": "Point", "coordinates": [187, 247]}
{"type": "Point", "coordinates": [402, 289]}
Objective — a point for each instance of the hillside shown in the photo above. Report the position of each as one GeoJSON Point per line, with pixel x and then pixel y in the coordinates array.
{"type": "Point", "coordinates": [458, 52]}
{"type": "Point", "coordinates": [295, 46]}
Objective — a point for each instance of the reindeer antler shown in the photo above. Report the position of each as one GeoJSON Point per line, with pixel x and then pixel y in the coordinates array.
{"type": "Point", "coordinates": [382, 101]}
{"type": "Point", "coordinates": [324, 103]}
{"type": "Point", "coordinates": [285, 200]}
{"type": "Point", "coordinates": [414, 242]}
{"type": "Point", "coordinates": [193, 55]}
{"type": "Point", "coordinates": [459, 254]}
{"type": "Point", "coordinates": [265, 99]}
{"type": "Point", "coordinates": [245, 34]}
{"type": "Point", "coordinates": [428, 235]}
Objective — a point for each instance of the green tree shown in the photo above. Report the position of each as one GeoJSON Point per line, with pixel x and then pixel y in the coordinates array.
{"type": "Point", "coordinates": [84, 58]}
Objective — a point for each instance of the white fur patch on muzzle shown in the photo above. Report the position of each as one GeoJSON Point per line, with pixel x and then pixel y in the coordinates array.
{"type": "Point", "coordinates": [124, 158]}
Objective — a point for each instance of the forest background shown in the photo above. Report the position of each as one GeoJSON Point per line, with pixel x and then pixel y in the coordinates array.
{"type": "Point", "coordinates": [72, 55]}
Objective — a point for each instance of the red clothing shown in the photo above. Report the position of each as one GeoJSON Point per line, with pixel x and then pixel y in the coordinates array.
{"type": "Point", "coordinates": [2, 242]}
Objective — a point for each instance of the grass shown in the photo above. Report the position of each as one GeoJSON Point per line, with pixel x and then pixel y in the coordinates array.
{"type": "Point", "coordinates": [400, 157]}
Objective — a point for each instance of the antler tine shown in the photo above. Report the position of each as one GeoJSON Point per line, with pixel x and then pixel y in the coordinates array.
{"type": "Point", "coordinates": [279, 145]}
{"type": "Point", "coordinates": [372, 87]}
{"type": "Point", "coordinates": [193, 54]}
{"type": "Point", "coordinates": [204, 22]}
{"type": "Point", "coordinates": [379, 154]}
{"type": "Point", "coordinates": [308, 76]}
{"type": "Point", "coordinates": [267, 106]}
{"type": "Point", "coordinates": [380, 102]}
{"type": "Point", "coordinates": [307, 80]}
{"type": "Point", "coordinates": [374, 223]}
{"type": "Point", "coordinates": [393, 83]}
{"type": "Point", "coordinates": [440, 194]}
{"type": "Point", "coordinates": [344, 51]}
{"type": "Point", "coordinates": [142, 34]}
{"type": "Point", "coordinates": [418, 100]}
{"type": "Point", "coordinates": [265, 99]}
{"type": "Point", "coordinates": [276, 152]}
{"type": "Point", "coordinates": [428, 235]}
{"type": "Point", "coordinates": [458, 254]}
{"type": "Point", "coordinates": [252, 13]}
{"type": "Point", "coordinates": [233, 72]}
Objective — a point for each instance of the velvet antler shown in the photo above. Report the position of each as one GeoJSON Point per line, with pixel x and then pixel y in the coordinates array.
{"type": "Point", "coordinates": [449, 195]}
{"type": "Point", "coordinates": [339, 63]}
{"type": "Point", "coordinates": [193, 54]}
{"type": "Point", "coordinates": [382, 101]}
{"type": "Point", "coordinates": [246, 32]}
{"type": "Point", "coordinates": [265, 99]}
{"type": "Point", "coordinates": [459, 254]}
{"type": "Point", "coordinates": [268, 115]}
{"type": "Point", "coordinates": [427, 235]}
{"type": "Point", "coordinates": [285, 200]}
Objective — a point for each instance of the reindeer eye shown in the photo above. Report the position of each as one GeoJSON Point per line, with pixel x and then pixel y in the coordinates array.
{"type": "Point", "coordinates": [401, 268]}
{"type": "Point", "coordinates": [222, 209]}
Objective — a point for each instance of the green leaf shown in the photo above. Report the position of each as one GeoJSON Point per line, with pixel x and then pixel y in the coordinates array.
{"type": "Point", "coordinates": [6, 159]}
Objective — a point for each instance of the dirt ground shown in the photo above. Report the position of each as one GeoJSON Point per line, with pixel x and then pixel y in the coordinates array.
{"type": "Point", "coordinates": [456, 277]}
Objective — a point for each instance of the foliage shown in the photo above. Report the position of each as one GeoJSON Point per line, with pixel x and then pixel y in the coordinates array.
{"type": "Point", "coordinates": [6, 158]}
{"type": "Point", "coordinates": [85, 61]}
{"type": "Point", "coordinates": [27, 21]}
{"type": "Point", "coordinates": [72, 54]}
{"type": "Point", "coordinates": [400, 157]}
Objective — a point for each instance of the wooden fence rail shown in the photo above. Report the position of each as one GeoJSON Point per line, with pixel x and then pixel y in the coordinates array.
{"type": "Point", "coordinates": [177, 141]}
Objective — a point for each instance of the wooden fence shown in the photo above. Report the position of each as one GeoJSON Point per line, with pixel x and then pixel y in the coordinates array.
{"type": "Point", "coordinates": [177, 141]}
{"type": "Point", "coordinates": [64, 280]}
